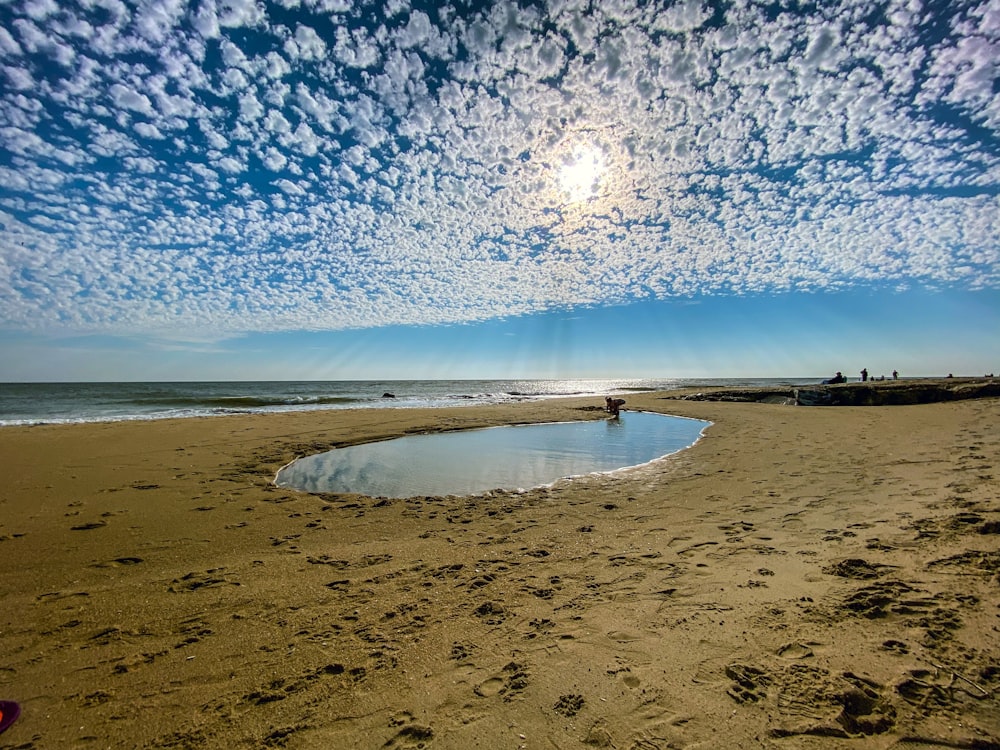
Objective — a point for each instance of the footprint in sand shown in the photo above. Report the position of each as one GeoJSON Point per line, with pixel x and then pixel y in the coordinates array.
{"type": "Point", "coordinates": [896, 647]}
{"type": "Point", "coordinates": [410, 737]}
{"type": "Point", "coordinates": [569, 705]}
{"type": "Point", "coordinates": [509, 683]}
{"type": "Point", "coordinates": [599, 736]}
{"type": "Point", "coordinates": [856, 568]}
{"type": "Point", "coordinates": [89, 526]}
{"type": "Point", "coordinates": [401, 719]}
{"type": "Point", "coordinates": [491, 613]}
{"type": "Point", "coordinates": [539, 627]}
{"type": "Point", "coordinates": [463, 651]}
{"type": "Point", "coordinates": [119, 561]}
{"type": "Point", "coordinates": [327, 560]}
{"type": "Point", "coordinates": [812, 701]}
{"type": "Point", "coordinates": [489, 687]}
{"type": "Point", "coordinates": [688, 551]}
{"type": "Point", "coordinates": [881, 598]}
{"type": "Point", "coordinates": [198, 580]}
{"type": "Point", "coordinates": [793, 524]}
{"type": "Point", "coordinates": [749, 683]}
{"type": "Point", "coordinates": [795, 651]}
{"type": "Point", "coordinates": [735, 530]}
{"type": "Point", "coordinates": [926, 688]}
{"type": "Point", "coordinates": [622, 636]}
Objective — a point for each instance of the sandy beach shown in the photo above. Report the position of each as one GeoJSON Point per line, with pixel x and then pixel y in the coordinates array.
{"type": "Point", "coordinates": [803, 577]}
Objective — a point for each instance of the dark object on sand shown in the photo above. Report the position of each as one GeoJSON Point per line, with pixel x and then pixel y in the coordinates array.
{"type": "Point", "coordinates": [9, 711]}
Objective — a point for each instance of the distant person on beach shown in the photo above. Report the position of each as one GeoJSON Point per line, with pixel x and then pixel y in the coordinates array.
{"type": "Point", "coordinates": [838, 378]}
{"type": "Point", "coordinates": [613, 405]}
{"type": "Point", "coordinates": [895, 375]}
{"type": "Point", "coordinates": [864, 375]}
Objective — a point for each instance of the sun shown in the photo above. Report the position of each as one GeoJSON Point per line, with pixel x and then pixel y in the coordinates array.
{"type": "Point", "coordinates": [580, 173]}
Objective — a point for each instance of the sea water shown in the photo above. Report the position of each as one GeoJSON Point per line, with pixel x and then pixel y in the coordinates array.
{"type": "Point", "coordinates": [475, 461]}
{"type": "Point", "coordinates": [36, 403]}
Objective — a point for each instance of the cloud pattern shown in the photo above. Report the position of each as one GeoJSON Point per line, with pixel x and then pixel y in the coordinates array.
{"type": "Point", "coordinates": [230, 166]}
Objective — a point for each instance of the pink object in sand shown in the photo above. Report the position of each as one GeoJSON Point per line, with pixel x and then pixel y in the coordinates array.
{"type": "Point", "coordinates": [9, 711]}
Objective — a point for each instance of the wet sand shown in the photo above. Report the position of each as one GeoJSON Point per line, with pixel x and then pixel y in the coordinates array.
{"type": "Point", "coordinates": [803, 577]}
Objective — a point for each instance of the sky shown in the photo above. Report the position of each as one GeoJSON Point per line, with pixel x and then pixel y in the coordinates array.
{"type": "Point", "coordinates": [325, 189]}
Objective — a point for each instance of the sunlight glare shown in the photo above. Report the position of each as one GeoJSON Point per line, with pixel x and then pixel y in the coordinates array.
{"type": "Point", "coordinates": [580, 174]}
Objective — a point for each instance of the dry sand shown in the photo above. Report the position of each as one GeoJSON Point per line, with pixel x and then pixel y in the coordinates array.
{"type": "Point", "coordinates": [801, 578]}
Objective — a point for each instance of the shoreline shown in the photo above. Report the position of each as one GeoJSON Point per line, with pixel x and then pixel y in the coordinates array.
{"type": "Point", "coordinates": [798, 572]}
{"type": "Point", "coordinates": [100, 403]}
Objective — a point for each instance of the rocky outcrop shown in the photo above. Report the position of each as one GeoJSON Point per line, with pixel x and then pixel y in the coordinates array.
{"type": "Point", "coordinates": [896, 393]}
{"type": "Point", "coordinates": [744, 395]}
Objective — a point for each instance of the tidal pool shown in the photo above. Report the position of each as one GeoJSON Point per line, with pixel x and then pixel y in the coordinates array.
{"type": "Point", "coordinates": [509, 458]}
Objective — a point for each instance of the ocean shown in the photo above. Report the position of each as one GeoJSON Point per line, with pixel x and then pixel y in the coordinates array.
{"type": "Point", "coordinates": [54, 403]}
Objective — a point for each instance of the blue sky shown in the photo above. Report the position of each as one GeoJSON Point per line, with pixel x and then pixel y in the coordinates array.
{"type": "Point", "coordinates": [325, 189]}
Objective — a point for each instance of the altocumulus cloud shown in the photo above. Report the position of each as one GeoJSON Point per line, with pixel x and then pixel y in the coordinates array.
{"type": "Point", "coordinates": [236, 165]}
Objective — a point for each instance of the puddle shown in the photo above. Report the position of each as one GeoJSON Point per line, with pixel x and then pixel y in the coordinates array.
{"type": "Point", "coordinates": [475, 461]}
